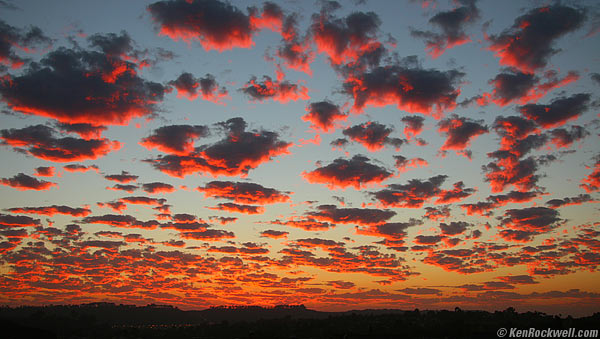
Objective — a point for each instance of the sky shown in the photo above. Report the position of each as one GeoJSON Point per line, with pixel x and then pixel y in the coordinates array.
{"type": "Point", "coordinates": [341, 155]}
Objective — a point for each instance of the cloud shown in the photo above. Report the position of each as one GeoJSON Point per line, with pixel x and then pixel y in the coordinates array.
{"type": "Point", "coordinates": [403, 164]}
{"type": "Point", "coordinates": [568, 201]}
{"type": "Point", "coordinates": [126, 188]}
{"type": "Point", "coordinates": [143, 201]}
{"type": "Point", "coordinates": [527, 222]}
{"type": "Point", "coordinates": [458, 193]}
{"type": "Point", "coordinates": [341, 173]}
{"type": "Point", "coordinates": [411, 195]}
{"type": "Point", "coordinates": [460, 131]}
{"type": "Point", "coordinates": [358, 216]}
{"type": "Point", "coordinates": [175, 139]}
{"type": "Point", "coordinates": [393, 232]}
{"type": "Point", "coordinates": [414, 125]}
{"type": "Point", "coordinates": [282, 91]}
{"type": "Point", "coordinates": [214, 24]}
{"type": "Point", "coordinates": [243, 192]}
{"type": "Point", "coordinates": [307, 224]}
{"type": "Point", "coordinates": [207, 87]}
{"type": "Point", "coordinates": [24, 182]}
{"type": "Point", "coordinates": [558, 112]}
{"type": "Point", "coordinates": [454, 228]}
{"type": "Point", "coordinates": [11, 37]}
{"type": "Point", "coordinates": [295, 52]}
{"type": "Point", "coordinates": [274, 234]}
{"type": "Point", "coordinates": [564, 138]}
{"type": "Point", "coordinates": [52, 210]}
{"type": "Point", "coordinates": [512, 86]}
{"type": "Point", "coordinates": [44, 171]}
{"type": "Point", "coordinates": [529, 42]}
{"type": "Point", "coordinates": [86, 131]}
{"type": "Point", "coordinates": [77, 86]}
{"type": "Point", "coordinates": [345, 40]}
{"type": "Point", "coordinates": [237, 208]}
{"type": "Point", "coordinates": [413, 90]}
{"type": "Point", "coordinates": [323, 115]}
{"type": "Point", "coordinates": [591, 183]}
{"type": "Point", "coordinates": [509, 167]}
{"type": "Point", "coordinates": [420, 291]}
{"type": "Point", "coordinates": [123, 221]}
{"type": "Point", "coordinates": [40, 141]}
{"type": "Point", "coordinates": [373, 135]}
{"type": "Point", "coordinates": [518, 279]}
{"type": "Point", "coordinates": [452, 24]}
{"type": "Point", "coordinates": [10, 221]}
{"type": "Point", "coordinates": [123, 178]}
{"type": "Point", "coordinates": [494, 201]}
{"type": "Point", "coordinates": [80, 168]}
{"type": "Point", "coordinates": [237, 153]}
{"type": "Point", "coordinates": [437, 213]}
{"type": "Point", "coordinates": [157, 187]}
{"type": "Point", "coordinates": [208, 235]}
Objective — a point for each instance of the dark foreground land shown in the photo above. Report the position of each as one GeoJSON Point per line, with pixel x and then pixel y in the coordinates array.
{"type": "Point", "coordinates": [107, 320]}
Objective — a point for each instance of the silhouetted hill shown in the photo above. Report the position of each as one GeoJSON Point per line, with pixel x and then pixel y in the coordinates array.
{"type": "Point", "coordinates": [107, 320]}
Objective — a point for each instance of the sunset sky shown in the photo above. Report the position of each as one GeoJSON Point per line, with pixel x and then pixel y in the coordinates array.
{"type": "Point", "coordinates": [341, 155]}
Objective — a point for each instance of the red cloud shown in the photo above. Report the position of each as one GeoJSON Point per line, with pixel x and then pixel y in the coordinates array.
{"type": "Point", "coordinates": [189, 86]}
{"type": "Point", "coordinates": [514, 86]}
{"type": "Point", "coordinates": [563, 138]}
{"type": "Point", "coordinates": [373, 136]}
{"type": "Point", "coordinates": [12, 37]}
{"type": "Point", "coordinates": [125, 221]}
{"type": "Point", "coordinates": [591, 183]}
{"type": "Point", "coordinates": [413, 90]}
{"type": "Point", "coordinates": [341, 173]}
{"type": "Point", "coordinates": [78, 86]}
{"type": "Point", "coordinates": [459, 132]}
{"type": "Point", "coordinates": [80, 168]}
{"type": "Point", "coordinates": [345, 40]}
{"type": "Point", "coordinates": [126, 188]}
{"type": "Point", "coordinates": [41, 143]}
{"type": "Point", "coordinates": [52, 210]}
{"type": "Point", "coordinates": [24, 182]}
{"type": "Point", "coordinates": [403, 164]}
{"type": "Point", "coordinates": [558, 112]}
{"type": "Point", "coordinates": [18, 221]}
{"type": "Point", "coordinates": [175, 139]}
{"type": "Point", "coordinates": [394, 232]}
{"type": "Point", "coordinates": [307, 224]}
{"type": "Point", "coordinates": [236, 154]}
{"type": "Point", "coordinates": [529, 221]}
{"type": "Point", "coordinates": [282, 91]}
{"type": "Point", "coordinates": [457, 194]}
{"type": "Point", "coordinates": [411, 195]}
{"type": "Point", "coordinates": [495, 201]}
{"type": "Point", "coordinates": [123, 178]}
{"type": "Point", "coordinates": [44, 171]}
{"type": "Point", "coordinates": [243, 192]}
{"type": "Point", "coordinates": [527, 45]}
{"type": "Point", "coordinates": [414, 126]}
{"type": "Point", "coordinates": [577, 200]}
{"type": "Point", "coordinates": [208, 235]}
{"type": "Point", "coordinates": [86, 131]}
{"type": "Point", "coordinates": [452, 23]}
{"type": "Point", "coordinates": [158, 187]}
{"type": "Point", "coordinates": [323, 115]}
{"type": "Point", "coordinates": [237, 208]}
{"type": "Point", "coordinates": [214, 24]}
{"type": "Point", "coordinates": [274, 234]}
{"type": "Point", "coordinates": [358, 216]}
{"type": "Point", "coordinates": [143, 201]}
